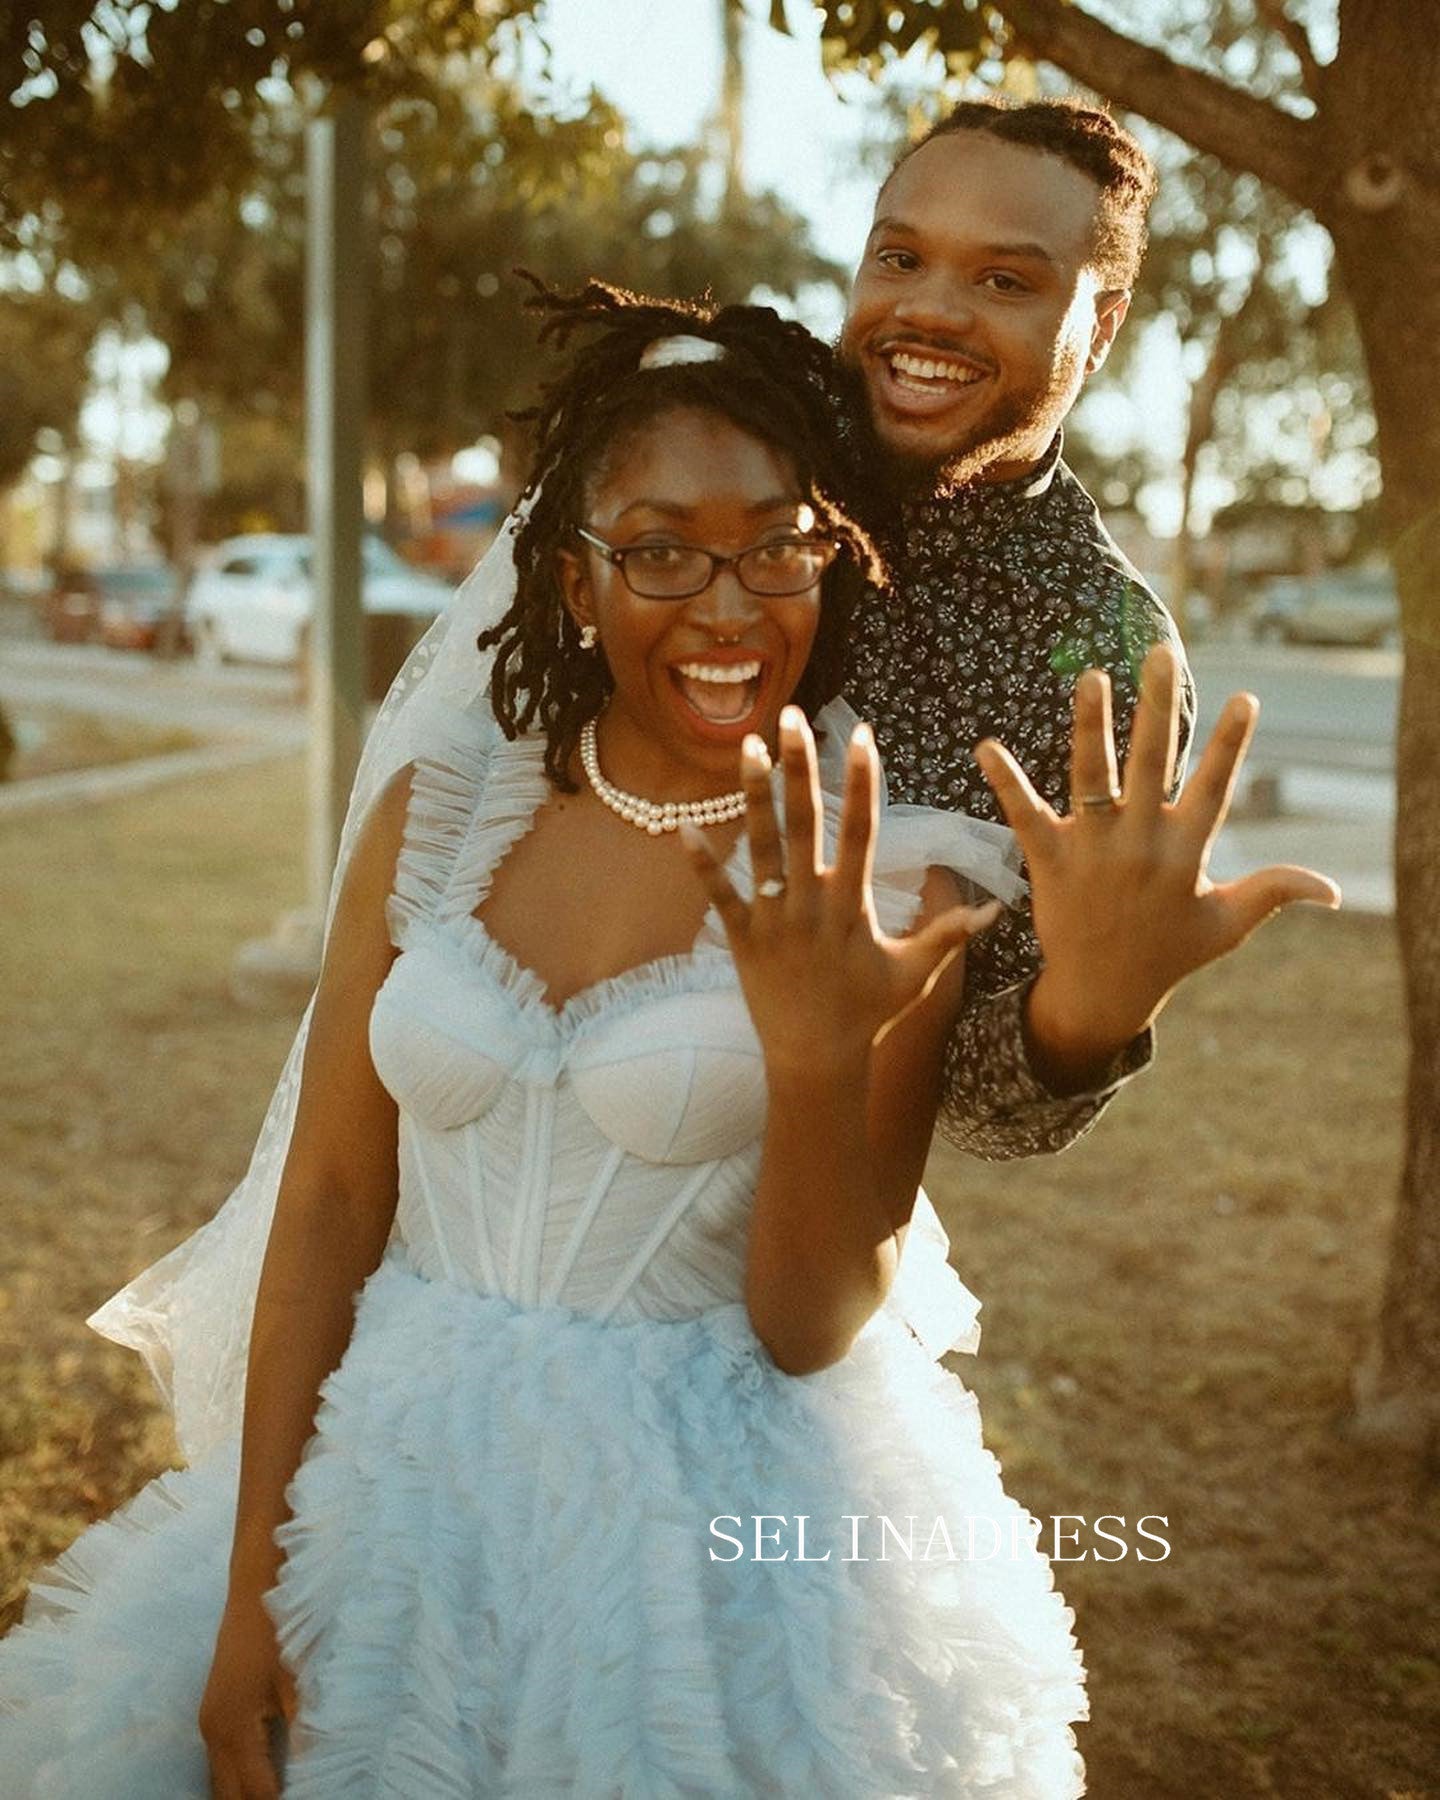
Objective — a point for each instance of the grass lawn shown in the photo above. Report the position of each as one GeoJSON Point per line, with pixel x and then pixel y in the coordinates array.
{"type": "Point", "coordinates": [1171, 1309]}
{"type": "Point", "coordinates": [52, 740]}
{"type": "Point", "coordinates": [1172, 1312]}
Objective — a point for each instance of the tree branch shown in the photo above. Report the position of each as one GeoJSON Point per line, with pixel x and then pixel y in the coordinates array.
{"type": "Point", "coordinates": [1297, 39]}
{"type": "Point", "coordinates": [1244, 132]}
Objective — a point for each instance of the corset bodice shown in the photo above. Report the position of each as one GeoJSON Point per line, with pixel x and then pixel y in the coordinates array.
{"type": "Point", "coordinates": [602, 1155]}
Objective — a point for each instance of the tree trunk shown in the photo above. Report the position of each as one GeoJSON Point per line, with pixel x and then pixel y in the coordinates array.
{"type": "Point", "coordinates": [1397, 1386]}
{"type": "Point", "coordinates": [1200, 423]}
{"type": "Point", "coordinates": [397, 511]}
{"type": "Point", "coordinates": [729, 121]}
{"type": "Point", "coordinates": [1383, 211]}
{"type": "Point", "coordinates": [1368, 163]}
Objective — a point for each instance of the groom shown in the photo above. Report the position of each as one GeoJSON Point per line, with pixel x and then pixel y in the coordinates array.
{"type": "Point", "coordinates": [994, 279]}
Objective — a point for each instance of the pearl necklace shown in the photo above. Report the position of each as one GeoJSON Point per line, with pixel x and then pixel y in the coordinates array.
{"type": "Point", "coordinates": [654, 816]}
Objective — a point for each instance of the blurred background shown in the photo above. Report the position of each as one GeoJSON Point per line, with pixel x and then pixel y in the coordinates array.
{"type": "Point", "coordinates": [154, 398]}
{"type": "Point", "coordinates": [1214, 1308]}
{"type": "Point", "coordinates": [152, 438]}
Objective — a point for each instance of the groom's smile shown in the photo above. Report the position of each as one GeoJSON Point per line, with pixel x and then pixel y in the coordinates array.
{"type": "Point", "coordinates": [917, 380]}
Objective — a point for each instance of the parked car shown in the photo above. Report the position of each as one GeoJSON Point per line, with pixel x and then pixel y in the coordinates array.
{"type": "Point", "coordinates": [139, 606]}
{"type": "Point", "coordinates": [252, 598]}
{"type": "Point", "coordinates": [70, 608]}
{"type": "Point", "coordinates": [122, 604]}
{"type": "Point", "coordinates": [1342, 606]}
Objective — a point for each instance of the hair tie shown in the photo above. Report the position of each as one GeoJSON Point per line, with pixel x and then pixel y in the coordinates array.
{"type": "Point", "coordinates": [668, 352]}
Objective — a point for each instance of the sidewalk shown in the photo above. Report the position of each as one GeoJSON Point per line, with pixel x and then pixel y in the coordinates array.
{"type": "Point", "coordinates": [1339, 822]}
{"type": "Point", "coordinates": [244, 716]}
{"type": "Point", "coordinates": [88, 787]}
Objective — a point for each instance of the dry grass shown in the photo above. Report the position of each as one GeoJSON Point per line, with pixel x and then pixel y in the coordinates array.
{"type": "Point", "coordinates": [52, 740]}
{"type": "Point", "coordinates": [132, 1091]}
{"type": "Point", "coordinates": [1171, 1312]}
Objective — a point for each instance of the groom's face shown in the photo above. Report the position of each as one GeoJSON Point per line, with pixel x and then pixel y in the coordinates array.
{"type": "Point", "coordinates": [976, 312]}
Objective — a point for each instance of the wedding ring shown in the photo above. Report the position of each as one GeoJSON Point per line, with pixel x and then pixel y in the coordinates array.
{"type": "Point", "coordinates": [770, 889]}
{"type": "Point", "coordinates": [1098, 802]}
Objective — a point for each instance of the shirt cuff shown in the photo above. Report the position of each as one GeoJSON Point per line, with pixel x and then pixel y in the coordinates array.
{"type": "Point", "coordinates": [1029, 1089]}
{"type": "Point", "coordinates": [996, 1107]}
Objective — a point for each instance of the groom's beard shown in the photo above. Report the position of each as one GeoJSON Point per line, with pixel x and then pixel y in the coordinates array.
{"type": "Point", "coordinates": [1007, 433]}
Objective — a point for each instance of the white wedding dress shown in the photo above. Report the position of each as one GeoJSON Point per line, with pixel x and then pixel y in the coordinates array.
{"type": "Point", "coordinates": [505, 1569]}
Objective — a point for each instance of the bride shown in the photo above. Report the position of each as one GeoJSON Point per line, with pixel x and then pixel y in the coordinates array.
{"type": "Point", "coordinates": [582, 1243]}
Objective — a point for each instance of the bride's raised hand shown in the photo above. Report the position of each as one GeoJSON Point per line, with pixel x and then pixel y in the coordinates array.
{"type": "Point", "coordinates": [820, 977]}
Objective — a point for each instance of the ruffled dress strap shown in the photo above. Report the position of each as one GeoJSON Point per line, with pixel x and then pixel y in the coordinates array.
{"type": "Point", "coordinates": [513, 788]}
{"type": "Point", "coordinates": [470, 799]}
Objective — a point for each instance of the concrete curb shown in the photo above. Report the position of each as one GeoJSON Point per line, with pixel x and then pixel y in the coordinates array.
{"type": "Point", "coordinates": [91, 787]}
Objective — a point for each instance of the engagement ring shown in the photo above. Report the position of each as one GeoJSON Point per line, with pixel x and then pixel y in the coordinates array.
{"type": "Point", "coordinates": [1098, 802]}
{"type": "Point", "coordinates": [771, 889]}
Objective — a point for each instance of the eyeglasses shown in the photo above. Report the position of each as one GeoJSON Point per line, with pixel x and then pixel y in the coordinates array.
{"type": "Point", "coordinates": [678, 571]}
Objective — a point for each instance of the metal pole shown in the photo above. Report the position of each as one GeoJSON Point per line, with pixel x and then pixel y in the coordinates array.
{"type": "Point", "coordinates": [183, 478]}
{"type": "Point", "coordinates": [335, 424]}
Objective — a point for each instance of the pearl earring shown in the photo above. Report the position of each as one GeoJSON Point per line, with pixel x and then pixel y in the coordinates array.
{"type": "Point", "coordinates": [589, 637]}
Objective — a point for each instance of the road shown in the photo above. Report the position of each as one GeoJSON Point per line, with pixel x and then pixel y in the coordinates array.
{"type": "Point", "coordinates": [1327, 735]}
{"type": "Point", "coordinates": [1319, 708]}
{"type": "Point", "coordinates": [244, 703]}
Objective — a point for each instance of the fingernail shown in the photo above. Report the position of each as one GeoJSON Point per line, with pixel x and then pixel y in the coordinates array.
{"type": "Point", "coordinates": [791, 718]}
{"type": "Point", "coordinates": [690, 835]}
{"type": "Point", "coordinates": [862, 737]}
{"type": "Point", "coordinates": [753, 751]}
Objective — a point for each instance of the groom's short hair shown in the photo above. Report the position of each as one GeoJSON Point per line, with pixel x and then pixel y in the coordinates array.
{"type": "Point", "coordinates": [1089, 140]}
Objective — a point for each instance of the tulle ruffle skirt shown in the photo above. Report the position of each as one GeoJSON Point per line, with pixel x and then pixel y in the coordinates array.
{"type": "Point", "coordinates": [523, 1560]}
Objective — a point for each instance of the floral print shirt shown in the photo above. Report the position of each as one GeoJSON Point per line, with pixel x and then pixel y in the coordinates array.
{"type": "Point", "coordinates": [1002, 594]}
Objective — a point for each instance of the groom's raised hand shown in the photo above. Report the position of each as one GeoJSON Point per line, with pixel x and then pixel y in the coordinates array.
{"type": "Point", "coordinates": [1123, 907]}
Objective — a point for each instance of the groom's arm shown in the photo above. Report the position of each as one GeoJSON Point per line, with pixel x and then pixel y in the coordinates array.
{"type": "Point", "coordinates": [997, 1103]}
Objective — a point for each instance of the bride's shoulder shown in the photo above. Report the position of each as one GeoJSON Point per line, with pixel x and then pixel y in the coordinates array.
{"type": "Point", "coordinates": [382, 835]}
{"type": "Point", "coordinates": [378, 851]}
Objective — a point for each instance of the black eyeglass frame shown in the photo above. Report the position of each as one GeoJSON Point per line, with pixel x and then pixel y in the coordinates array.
{"type": "Point", "coordinates": [617, 556]}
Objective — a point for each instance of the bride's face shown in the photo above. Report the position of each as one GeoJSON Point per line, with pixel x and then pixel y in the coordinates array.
{"type": "Point", "coordinates": [694, 675]}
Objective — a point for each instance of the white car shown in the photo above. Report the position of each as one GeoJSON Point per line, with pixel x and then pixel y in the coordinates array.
{"type": "Point", "coordinates": [251, 600]}
{"type": "Point", "coordinates": [1343, 606]}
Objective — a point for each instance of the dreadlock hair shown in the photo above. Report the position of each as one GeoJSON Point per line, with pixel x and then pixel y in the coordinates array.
{"type": "Point", "coordinates": [1089, 140]}
{"type": "Point", "coordinates": [775, 381]}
